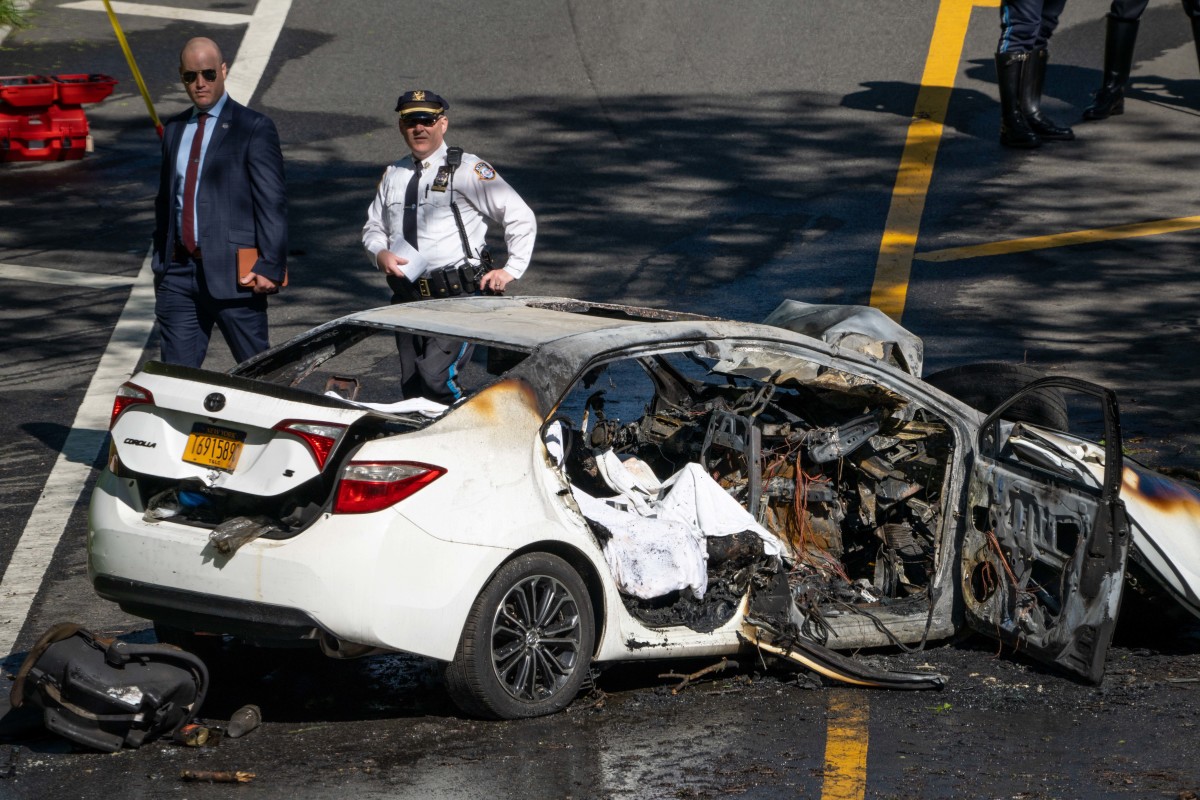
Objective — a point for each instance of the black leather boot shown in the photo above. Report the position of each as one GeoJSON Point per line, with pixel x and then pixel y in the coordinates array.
{"type": "Point", "coordinates": [1119, 38]}
{"type": "Point", "coordinates": [1033, 78]}
{"type": "Point", "coordinates": [1014, 128]}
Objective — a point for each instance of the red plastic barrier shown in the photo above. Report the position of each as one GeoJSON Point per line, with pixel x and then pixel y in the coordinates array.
{"type": "Point", "coordinates": [41, 117]}
{"type": "Point", "coordinates": [27, 90]}
{"type": "Point", "coordinates": [82, 88]}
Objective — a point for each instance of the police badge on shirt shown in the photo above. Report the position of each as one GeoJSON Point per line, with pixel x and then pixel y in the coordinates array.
{"type": "Point", "coordinates": [442, 179]}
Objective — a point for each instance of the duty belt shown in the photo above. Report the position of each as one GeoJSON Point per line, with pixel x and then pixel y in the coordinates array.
{"type": "Point", "coordinates": [449, 282]}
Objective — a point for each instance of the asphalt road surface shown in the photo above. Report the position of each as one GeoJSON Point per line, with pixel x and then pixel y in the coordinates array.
{"type": "Point", "coordinates": [705, 156]}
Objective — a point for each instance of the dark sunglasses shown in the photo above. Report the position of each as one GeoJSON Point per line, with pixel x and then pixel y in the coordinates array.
{"type": "Point", "coordinates": [189, 77]}
{"type": "Point", "coordinates": [426, 121]}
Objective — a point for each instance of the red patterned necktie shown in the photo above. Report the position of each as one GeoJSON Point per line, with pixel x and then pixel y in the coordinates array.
{"type": "Point", "coordinates": [189, 185]}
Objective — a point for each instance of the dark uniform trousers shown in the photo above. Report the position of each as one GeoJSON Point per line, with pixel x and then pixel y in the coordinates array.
{"type": "Point", "coordinates": [186, 313]}
{"type": "Point", "coordinates": [1027, 25]}
{"type": "Point", "coordinates": [429, 365]}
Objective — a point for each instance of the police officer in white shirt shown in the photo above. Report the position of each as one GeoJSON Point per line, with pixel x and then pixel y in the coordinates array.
{"type": "Point", "coordinates": [426, 232]}
{"type": "Point", "coordinates": [474, 187]}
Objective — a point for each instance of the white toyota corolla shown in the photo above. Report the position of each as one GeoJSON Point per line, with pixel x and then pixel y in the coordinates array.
{"type": "Point", "coordinates": [624, 483]}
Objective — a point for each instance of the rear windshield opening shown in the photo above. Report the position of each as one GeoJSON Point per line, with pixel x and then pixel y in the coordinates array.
{"type": "Point", "coordinates": [360, 363]}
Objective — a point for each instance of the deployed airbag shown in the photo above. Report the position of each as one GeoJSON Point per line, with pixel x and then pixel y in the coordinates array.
{"type": "Point", "coordinates": [657, 533]}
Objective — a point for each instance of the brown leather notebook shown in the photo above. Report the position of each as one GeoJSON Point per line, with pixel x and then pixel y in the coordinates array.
{"type": "Point", "coordinates": [247, 257]}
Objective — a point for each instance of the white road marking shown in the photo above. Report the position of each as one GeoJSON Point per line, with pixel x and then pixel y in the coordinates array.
{"type": "Point", "coordinates": [164, 12]}
{"type": "Point", "coordinates": [88, 434]}
{"type": "Point", "coordinates": [61, 277]}
{"type": "Point", "coordinates": [255, 50]}
{"type": "Point", "coordinates": [35, 549]}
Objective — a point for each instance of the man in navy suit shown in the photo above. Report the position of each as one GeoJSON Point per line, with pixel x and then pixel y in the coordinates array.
{"type": "Point", "coordinates": [221, 190]}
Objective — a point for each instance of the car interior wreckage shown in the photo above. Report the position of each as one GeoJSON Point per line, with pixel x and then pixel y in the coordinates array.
{"type": "Point", "coordinates": [839, 470]}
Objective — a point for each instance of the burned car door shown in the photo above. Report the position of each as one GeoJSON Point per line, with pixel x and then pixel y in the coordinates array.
{"type": "Point", "coordinates": [1044, 545]}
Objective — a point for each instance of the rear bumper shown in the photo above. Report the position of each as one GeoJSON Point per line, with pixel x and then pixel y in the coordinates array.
{"type": "Point", "coordinates": [255, 622]}
{"type": "Point", "coordinates": [371, 579]}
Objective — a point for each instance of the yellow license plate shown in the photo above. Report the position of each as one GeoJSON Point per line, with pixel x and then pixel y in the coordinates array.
{"type": "Point", "coordinates": [210, 446]}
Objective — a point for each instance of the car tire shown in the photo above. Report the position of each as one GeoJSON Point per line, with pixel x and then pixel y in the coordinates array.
{"type": "Point", "coordinates": [986, 385]}
{"type": "Point", "coordinates": [506, 665]}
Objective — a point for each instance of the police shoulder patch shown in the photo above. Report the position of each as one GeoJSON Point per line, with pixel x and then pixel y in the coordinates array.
{"type": "Point", "coordinates": [484, 171]}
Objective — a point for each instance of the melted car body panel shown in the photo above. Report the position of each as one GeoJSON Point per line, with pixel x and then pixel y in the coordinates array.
{"type": "Point", "coordinates": [494, 439]}
{"type": "Point", "coordinates": [1164, 512]}
{"type": "Point", "coordinates": [1166, 531]}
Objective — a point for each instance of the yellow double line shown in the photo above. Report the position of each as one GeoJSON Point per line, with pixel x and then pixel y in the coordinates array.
{"type": "Point", "coordinates": [897, 249]}
{"type": "Point", "coordinates": [847, 733]}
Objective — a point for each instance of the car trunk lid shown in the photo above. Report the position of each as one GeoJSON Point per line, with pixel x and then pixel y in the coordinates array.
{"type": "Point", "coordinates": [227, 432]}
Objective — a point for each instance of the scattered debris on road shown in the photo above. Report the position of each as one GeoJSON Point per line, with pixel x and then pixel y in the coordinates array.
{"type": "Point", "coordinates": [213, 776]}
{"type": "Point", "coordinates": [720, 666]}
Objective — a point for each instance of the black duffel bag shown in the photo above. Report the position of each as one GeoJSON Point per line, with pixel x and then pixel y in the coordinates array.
{"type": "Point", "coordinates": [108, 694]}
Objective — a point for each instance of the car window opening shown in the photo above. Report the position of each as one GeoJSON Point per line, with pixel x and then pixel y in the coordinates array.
{"type": "Point", "coordinates": [365, 358]}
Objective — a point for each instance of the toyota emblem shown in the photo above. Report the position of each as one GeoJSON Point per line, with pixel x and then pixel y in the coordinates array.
{"type": "Point", "coordinates": [214, 402]}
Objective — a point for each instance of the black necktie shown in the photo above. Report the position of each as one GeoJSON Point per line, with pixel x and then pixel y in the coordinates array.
{"type": "Point", "coordinates": [410, 206]}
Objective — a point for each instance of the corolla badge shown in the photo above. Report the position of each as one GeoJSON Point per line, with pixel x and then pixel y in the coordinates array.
{"type": "Point", "coordinates": [214, 402]}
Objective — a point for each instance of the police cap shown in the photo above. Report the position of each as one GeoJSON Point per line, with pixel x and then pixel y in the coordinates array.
{"type": "Point", "coordinates": [421, 104]}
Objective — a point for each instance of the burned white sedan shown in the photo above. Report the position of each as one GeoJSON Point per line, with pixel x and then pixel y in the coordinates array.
{"type": "Point", "coordinates": [621, 483]}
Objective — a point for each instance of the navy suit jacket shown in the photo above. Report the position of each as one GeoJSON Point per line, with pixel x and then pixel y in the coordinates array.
{"type": "Point", "coordinates": [241, 201]}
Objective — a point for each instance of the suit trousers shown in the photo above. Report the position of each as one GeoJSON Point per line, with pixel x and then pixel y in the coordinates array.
{"type": "Point", "coordinates": [186, 312]}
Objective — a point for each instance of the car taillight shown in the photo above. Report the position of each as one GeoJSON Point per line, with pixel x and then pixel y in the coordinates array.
{"type": "Point", "coordinates": [366, 487]}
{"type": "Point", "coordinates": [130, 394]}
{"type": "Point", "coordinates": [321, 437]}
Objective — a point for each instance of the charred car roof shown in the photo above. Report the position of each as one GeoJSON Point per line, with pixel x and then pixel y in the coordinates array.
{"type": "Point", "coordinates": [531, 323]}
{"type": "Point", "coordinates": [567, 334]}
